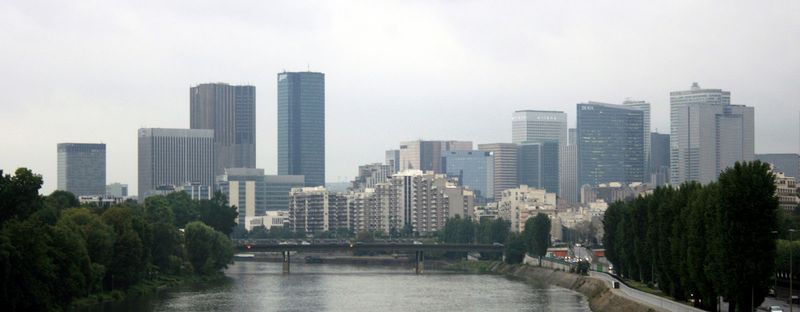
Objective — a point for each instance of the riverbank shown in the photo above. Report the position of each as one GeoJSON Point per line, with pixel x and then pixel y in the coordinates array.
{"type": "Point", "coordinates": [601, 297]}
{"type": "Point", "coordinates": [143, 288]}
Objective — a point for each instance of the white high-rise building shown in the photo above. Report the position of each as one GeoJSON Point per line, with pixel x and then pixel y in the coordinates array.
{"type": "Point", "coordinates": [536, 126]}
{"type": "Point", "coordinates": [708, 134]}
{"type": "Point", "coordinates": [170, 157]}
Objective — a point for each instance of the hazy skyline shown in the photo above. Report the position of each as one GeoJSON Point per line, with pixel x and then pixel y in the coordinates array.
{"type": "Point", "coordinates": [92, 72]}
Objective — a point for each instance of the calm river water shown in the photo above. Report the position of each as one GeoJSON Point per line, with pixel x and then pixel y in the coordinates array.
{"type": "Point", "coordinates": [260, 286]}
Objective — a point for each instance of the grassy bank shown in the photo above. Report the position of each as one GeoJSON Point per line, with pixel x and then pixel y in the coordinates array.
{"type": "Point", "coordinates": [144, 287]}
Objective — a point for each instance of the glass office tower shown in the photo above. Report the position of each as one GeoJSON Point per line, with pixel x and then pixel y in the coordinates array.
{"type": "Point", "coordinates": [301, 126]}
{"type": "Point", "coordinates": [82, 168]}
{"type": "Point", "coordinates": [610, 144]}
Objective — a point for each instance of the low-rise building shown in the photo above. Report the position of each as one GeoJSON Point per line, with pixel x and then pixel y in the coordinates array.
{"type": "Point", "coordinates": [786, 191]}
{"type": "Point", "coordinates": [518, 204]}
{"type": "Point", "coordinates": [614, 191]}
{"type": "Point", "coordinates": [270, 221]}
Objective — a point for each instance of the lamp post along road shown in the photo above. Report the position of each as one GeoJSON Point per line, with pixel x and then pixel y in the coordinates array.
{"type": "Point", "coordinates": [791, 281]}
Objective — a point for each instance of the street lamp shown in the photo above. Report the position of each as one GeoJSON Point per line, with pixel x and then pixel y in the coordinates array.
{"type": "Point", "coordinates": [791, 251]}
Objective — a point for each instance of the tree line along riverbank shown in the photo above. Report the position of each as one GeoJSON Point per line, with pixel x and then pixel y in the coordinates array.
{"type": "Point", "coordinates": [56, 254]}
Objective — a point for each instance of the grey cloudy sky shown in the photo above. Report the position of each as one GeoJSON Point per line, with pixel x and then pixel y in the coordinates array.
{"type": "Point", "coordinates": [96, 71]}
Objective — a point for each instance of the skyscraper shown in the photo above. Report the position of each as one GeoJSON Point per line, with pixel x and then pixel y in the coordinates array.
{"type": "Point", "coordinates": [659, 158]}
{"type": "Point", "coordinates": [82, 168]}
{"type": "Point", "coordinates": [538, 165]}
{"type": "Point", "coordinates": [538, 126]}
{"type": "Point", "coordinates": [171, 157]}
{"type": "Point", "coordinates": [245, 188]}
{"type": "Point", "coordinates": [301, 126]}
{"type": "Point", "coordinates": [708, 134]}
{"type": "Point", "coordinates": [427, 155]}
{"type": "Point", "coordinates": [644, 107]}
{"type": "Point", "coordinates": [505, 166]}
{"type": "Point", "coordinates": [231, 112]}
{"type": "Point", "coordinates": [610, 144]}
{"type": "Point", "coordinates": [474, 169]}
{"type": "Point", "coordinates": [393, 159]}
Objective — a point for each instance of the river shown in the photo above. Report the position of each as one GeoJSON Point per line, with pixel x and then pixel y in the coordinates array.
{"type": "Point", "coordinates": [260, 286]}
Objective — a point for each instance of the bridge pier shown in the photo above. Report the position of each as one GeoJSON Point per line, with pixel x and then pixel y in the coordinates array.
{"type": "Point", "coordinates": [287, 259]}
{"type": "Point", "coordinates": [420, 263]}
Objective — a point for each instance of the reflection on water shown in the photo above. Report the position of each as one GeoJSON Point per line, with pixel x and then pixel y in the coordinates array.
{"type": "Point", "coordinates": [259, 286]}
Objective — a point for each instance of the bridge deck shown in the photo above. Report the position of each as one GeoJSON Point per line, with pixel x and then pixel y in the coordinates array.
{"type": "Point", "coordinates": [388, 247]}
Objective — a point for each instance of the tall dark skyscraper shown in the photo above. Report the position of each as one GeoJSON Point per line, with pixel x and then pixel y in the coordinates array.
{"type": "Point", "coordinates": [301, 126]}
{"type": "Point", "coordinates": [82, 168]}
{"type": "Point", "coordinates": [231, 112]}
{"type": "Point", "coordinates": [610, 144]}
{"type": "Point", "coordinates": [537, 165]}
{"type": "Point", "coordinates": [659, 158]}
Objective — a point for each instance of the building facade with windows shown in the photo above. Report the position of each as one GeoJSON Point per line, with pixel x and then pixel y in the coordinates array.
{"type": "Point", "coordinates": [231, 112]}
{"type": "Point", "coordinates": [170, 157]}
{"type": "Point", "coordinates": [301, 126]}
{"type": "Point", "coordinates": [708, 134]}
{"type": "Point", "coordinates": [82, 168]}
{"type": "Point", "coordinates": [610, 144]}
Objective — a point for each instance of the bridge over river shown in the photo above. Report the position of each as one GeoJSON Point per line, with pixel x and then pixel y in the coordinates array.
{"type": "Point", "coordinates": [419, 249]}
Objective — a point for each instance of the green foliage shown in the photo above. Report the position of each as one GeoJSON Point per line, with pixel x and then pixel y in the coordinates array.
{"type": "Point", "coordinates": [19, 194]}
{"type": "Point", "coordinates": [703, 240]}
{"type": "Point", "coordinates": [61, 200]}
{"type": "Point", "coordinates": [458, 230]}
{"type": "Point", "coordinates": [52, 253]}
{"type": "Point", "coordinates": [183, 208]}
{"type": "Point", "coordinates": [537, 235]}
{"type": "Point", "coordinates": [515, 249]}
{"type": "Point", "coordinates": [207, 249]}
{"type": "Point", "coordinates": [217, 214]}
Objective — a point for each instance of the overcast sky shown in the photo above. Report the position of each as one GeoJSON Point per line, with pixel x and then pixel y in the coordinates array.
{"type": "Point", "coordinates": [96, 71]}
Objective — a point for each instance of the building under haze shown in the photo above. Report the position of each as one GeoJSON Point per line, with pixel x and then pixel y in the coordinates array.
{"type": "Point", "coordinates": [82, 168]}
{"type": "Point", "coordinates": [708, 134]}
{"type": "Point", "coordinates": [173, 157]}
{"type": "Point", "coordinates": [659, 158]}
{"type": "Point", "coordinates": [788, 163]}
{"type": "Point", "coordinates": [568, 170]}
{"type": "Point", "coordinates": [539, 126]}
{"type": "Point", "coordinates": [393, 159]}
{"type": "Point", "coordinates": [231, 112]}
{"type": "Point", "coordinates": [505, 166]}
{"type": "Point", "coordinates": [645, 108]}
{"type": "Point", "coordinates": [117, 190]}
{"type": "Point", "coordinates": [427, 155]}
{"type": "Point", "coordinates": [542, 136]}
{"type": "Point", "coordinates": [371, 174]}
{"type": "Point", "coordinates": [473, 169]}
{"type": "Point", "coordinates": [610, 144]}
{"type": "Point", "coordinates": [538, 165]}
{"type": "Point", "coordinates": [301, 126]}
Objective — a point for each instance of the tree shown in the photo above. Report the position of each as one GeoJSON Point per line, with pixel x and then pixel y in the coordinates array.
{"type": "Point", "coordinates": [537, 234]}
{"type": "Point", "coordinates": [61, 200]}
{"type": "Point", "coordinates": [747, 215]}
{"type": "Point", "coordinates": [99, 236]}
{"type": "Point", "coordinates": [515, 249]}
{"type": "Point", "coordinates": [130, 258]}
{"type": "Point", "coordinates": [217, 214]}
{"type": "Point", "coordinates": [208, 250]}
{"type": "Point", "coordinates": [184, 209]}
{"type": "Point", "coordinates": [19, 194]}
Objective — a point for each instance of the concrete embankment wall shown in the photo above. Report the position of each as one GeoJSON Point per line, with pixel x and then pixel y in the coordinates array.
{"type": "Point", "coordinates": [601, 298]}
